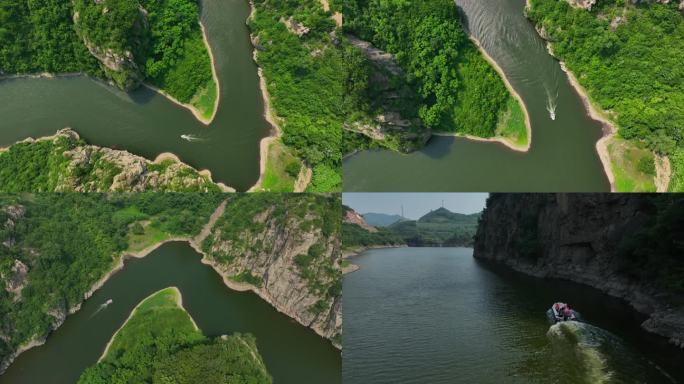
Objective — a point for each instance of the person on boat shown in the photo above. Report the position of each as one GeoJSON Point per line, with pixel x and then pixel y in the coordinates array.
{"type": "Point", "coordinates": [567, 313]}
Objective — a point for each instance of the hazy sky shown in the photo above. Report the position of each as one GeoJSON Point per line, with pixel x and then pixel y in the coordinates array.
{"type": "Point", "coordinates": [415, 204]}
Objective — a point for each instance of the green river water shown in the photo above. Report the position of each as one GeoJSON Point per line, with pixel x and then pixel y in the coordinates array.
{"type": "Point", "coordinates": [563, 156]}
{"type": "Point", "coordinates": [146, 123]}
{"type": "Point", "coordinates": [293, 354]}
{"type": "Point", "coordinates": [437, 315]}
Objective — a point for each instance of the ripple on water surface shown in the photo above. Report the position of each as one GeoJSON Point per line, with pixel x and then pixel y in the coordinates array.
{"type": "Point", "coordinates": [418, 315]}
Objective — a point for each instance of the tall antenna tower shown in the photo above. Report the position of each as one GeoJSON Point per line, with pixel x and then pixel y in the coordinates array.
{"type": "Point", "coordinates": [402, 210]}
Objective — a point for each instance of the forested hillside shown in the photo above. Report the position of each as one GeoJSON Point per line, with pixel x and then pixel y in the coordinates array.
{"type": "Point", "coordinates": [440, 227]}
{"type": "Point", "coordinates": [54, 247]}
{"type": "Point", "coordinates": [434, 77]}
{"type": "Point", "coordinates": [286, 248]}
{"type": "Point", "coordinates": [305, 64]}
{"type": "Point", "coordinates": [628, 57]}
{"type": "Point", "coordinates": [160, 343]}
{"type": "Point", "coordinates": [358, 234]}
{"type": "Point", "coordinates": [125, 41]}
{"type": "Point", "coordinates": [65, 163]}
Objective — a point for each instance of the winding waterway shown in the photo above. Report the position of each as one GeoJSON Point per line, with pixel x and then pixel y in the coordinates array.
{"type": "Point", "coordinates": [562, 157]}
{"type": "Point", "coordinates": [437, 315]}
{"type": "Point", "coordinates": [292, 353]}
{"type": "Point", "coordinates": [146, 123]}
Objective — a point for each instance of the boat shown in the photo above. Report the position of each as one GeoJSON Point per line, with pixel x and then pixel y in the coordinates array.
{"type": "Point", "coordinates": [109, 301]}
{"type": "Point", "coordinates": [557, 313]}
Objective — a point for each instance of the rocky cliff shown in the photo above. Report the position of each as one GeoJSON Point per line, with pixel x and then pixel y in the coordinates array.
{"type": "Point", "coordinates": [285, 248]}
{"type": "Point", "coordinates": [63, 163]}
{"type": "Point", "coordinates": [116, 33]}
{"type": "Point", "coordinates": [628, 246]}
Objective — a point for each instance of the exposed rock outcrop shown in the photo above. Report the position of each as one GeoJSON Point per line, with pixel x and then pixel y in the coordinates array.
{"type": "Point", "coordinates": [16, 280]}
{"type": "Point", "coordinates": [398, 132]}
{"type": "Point", "coordinates": [118, 59]}
{"type": "Point", "coordinates": [293, 26]}
{"type": "Point", "coordinates": [601, 240]}
{"type": "Point", "coordinates": [90, 168]}
{"type": "Point", "coordinates": [352, 217]}
{"type": "Point", "coordinates": [584, 4]}
{"type": "Point", "coordinates": [284, 257]}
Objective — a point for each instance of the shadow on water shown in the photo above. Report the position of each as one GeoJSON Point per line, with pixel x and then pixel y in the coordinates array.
{"type": "Point", "coordinates": [438, 147]}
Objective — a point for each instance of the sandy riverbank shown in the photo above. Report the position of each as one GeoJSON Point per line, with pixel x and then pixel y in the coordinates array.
{"type": "Point", "coordinates": [663, 171]}
{"type": "Point", "coordinates": [353, 252]}
{"type": "Point", "coordinates": [609, 129]}
{"type": "Point", "coordinates": [516, 95]}
{"type": "Point", "coordinates": [269, 115]}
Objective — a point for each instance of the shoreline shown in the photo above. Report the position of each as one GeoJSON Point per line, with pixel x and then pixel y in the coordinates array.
{"type": "Point", "coordinates": [610, 130]}
{"type": "Point", "coordinates": [204, 172]}
{"type": "Point", "coordinates": [157, 160]}
{"type": "Point", "coordinates": [118, 265]}
{"type": "Point", "coordinates": [514, 93]}
{"type": "Point", "coordinates": [269, 115]}
{"type": "Point", "coordinates": [179, 303]}
{"type": "Point", "coordinates": [190, 107]}
{"type": "Point", "coordinates": [353, 252]}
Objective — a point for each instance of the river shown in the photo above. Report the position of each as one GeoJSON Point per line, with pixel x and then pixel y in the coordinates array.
{"type": "Point", "coordinates": [562, 157]}
{"type": "Point", "coordinates": [146, 123]}
{"type": "Point", "coordinates": [292, 353]}
{"type": "Point", "coordinates": [437, 315]}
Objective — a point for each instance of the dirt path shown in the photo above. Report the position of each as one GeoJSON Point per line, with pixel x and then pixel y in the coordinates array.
{"type": "Point", "coordinates": [206, 230]}
{"type": "Point", "coordinates": [303, 179]}
{"type": "Point", "coordinates": [337, 16]}
{"type": "Point", "coordinates": [663, 173]}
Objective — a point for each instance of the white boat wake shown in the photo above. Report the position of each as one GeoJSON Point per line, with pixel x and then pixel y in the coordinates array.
{"type": "Point", "coordinates": [102, 307]}
{"type": "Point", "coordinates": [551, 104]}
{"type": "Point", "coordinates": [191, 138]}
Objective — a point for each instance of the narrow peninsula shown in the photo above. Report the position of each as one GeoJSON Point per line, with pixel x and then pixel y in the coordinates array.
{"type": "Point", "coordinates": [160, 44]}
{"type": "Point", "coordinates": [160, 342]}
{"type": "Point", "coordinates": [419, 74]}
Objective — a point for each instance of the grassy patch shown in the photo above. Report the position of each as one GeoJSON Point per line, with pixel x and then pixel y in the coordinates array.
{"type": "Point", "coordinates": [152, 234]}
{"type": "Point", "coordinates": [282, 168]}
{"type": "Point", "coordinates": [511, 125]}
{"type": "Point", "coordinates": [632, 166]}
{"type": "Point", "coordinates": [205, 99]}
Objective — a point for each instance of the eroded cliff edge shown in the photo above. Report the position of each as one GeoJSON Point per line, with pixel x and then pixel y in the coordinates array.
{"type": "Point", "coordinates": [628, 246]}
{"type": "Point", "coordinates": [286, 249]}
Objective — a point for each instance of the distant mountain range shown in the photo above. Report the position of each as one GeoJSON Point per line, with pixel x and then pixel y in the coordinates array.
{"type": "Point", "coordinates": [440, 227]}
{"type": "Point", "coordinates": [382, 219]}
{"type": "Point", "coordinates": [437, 228]}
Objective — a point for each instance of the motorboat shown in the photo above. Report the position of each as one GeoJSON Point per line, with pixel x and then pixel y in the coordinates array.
{"type": "Point", "coordinates": [562, 312]}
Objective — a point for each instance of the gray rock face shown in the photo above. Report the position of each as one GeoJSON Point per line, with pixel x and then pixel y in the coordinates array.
{"type": "Point", "coordinates": [16, 281]}
{"type": "Point", "coordinates": [584, 4]}
{"type": "Point", "coordinates": [269, 255]}
{"type": "Point", "coordinates": [578, 238]}
{"type": "Point", "coordinates": [120, 65]}
{"type": "Point", "coordinates": [99, 169]}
